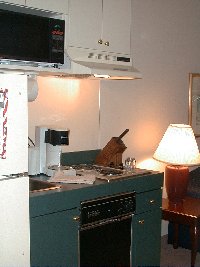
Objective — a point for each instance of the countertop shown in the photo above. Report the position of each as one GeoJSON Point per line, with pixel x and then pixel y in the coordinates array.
{"type": "Point", "coordinates": [68, 186]}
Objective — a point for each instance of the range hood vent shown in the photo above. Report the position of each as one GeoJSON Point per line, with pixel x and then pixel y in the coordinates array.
{"type": "Point", "coordinates": [87, 63]}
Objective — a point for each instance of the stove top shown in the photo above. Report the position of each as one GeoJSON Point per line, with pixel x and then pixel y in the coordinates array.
{"type": "Point", "coordinates": [101, 172]}
{"type": "Point", "coordinates": [106, 171]}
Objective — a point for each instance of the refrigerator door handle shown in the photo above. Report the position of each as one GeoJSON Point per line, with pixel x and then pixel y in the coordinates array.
{"type": "Point", "coordinates": [16, 175]}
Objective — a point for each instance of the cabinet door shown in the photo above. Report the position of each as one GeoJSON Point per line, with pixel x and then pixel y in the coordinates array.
{"type": "Point", "coordinates": [60, 6]}
{"type": "Point", "coordinates": [85, 22]}
{"type": "Point", "coordinates": [54, 239]}
{"type": "Point", "coordinates": [146, 238]}
{"type": "Point", "coordinates": [117, 25]}
{"type": "Point", "coordinates": [100, 25]}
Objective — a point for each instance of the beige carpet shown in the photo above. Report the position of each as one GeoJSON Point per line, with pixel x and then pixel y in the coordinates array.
{"type": "Point", "coordinates": [180, 257]}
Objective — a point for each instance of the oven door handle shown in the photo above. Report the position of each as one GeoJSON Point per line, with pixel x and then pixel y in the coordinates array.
{"type": "Point", "coordinates": [105, 221]}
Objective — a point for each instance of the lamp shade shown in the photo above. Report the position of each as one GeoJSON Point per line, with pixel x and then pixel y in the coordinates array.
{"type": "Point", "coordinates": [178, 146]}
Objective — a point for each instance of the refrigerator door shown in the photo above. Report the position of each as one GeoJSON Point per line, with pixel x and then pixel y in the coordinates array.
{"type": "Point", "coordinates": [13, 124]}
{"type": "Point", "coordinates": [14, 223]}
{"type": "Point", "coordinates": [14, 190]}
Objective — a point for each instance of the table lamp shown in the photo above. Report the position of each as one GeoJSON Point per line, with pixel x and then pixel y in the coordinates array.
{"type": "Point", "coordinates": [178, 148]}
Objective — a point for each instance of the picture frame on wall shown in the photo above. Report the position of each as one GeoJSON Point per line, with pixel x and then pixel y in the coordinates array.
{"type": "Point", "coordinates": [194, 102]}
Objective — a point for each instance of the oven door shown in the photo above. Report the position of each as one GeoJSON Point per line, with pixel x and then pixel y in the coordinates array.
{"type": "Point", "coordinates": [106, 244]}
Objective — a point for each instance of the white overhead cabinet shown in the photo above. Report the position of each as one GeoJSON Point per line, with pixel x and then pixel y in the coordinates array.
{"type": "Point", "coordinates": [58, 6]}
{"type": "Point", "coordinates": [103, 25]}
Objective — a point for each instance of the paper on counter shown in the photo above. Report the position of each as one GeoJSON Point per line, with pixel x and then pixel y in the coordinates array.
{"type": "Point", "coordinates": [61, 177]}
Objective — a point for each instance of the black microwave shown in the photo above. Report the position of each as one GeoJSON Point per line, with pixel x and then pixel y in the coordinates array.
{"type": "Point", "coordinates": [31, 38]}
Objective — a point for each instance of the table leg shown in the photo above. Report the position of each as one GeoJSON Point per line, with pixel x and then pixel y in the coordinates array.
{"type": "Point", "coordinates": [175, 236]}
{"type": "Point", "coordinates": [194, 233]}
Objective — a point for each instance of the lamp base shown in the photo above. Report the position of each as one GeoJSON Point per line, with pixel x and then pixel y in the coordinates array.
{"type": "Point", "coordinates": [176, 182]}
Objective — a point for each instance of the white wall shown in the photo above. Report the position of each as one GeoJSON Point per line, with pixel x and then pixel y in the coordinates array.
{"type": "Point", "coordinates": [69, 104]}
{"type": "Point", "coordinates": [166, 41]}
{"type": "Point", "coordinates": [165, 47]}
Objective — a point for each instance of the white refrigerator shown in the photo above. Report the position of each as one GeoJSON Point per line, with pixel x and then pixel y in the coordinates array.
{"type": "Point", "coordinates": [14, 182]}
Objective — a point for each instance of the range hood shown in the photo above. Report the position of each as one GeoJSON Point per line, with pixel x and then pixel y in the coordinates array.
{"type": "Point", "coordinates": [92, 64]}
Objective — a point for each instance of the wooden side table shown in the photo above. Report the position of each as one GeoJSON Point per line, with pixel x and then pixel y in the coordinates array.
{"type": "Point", "coordinates": [187, 213]}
